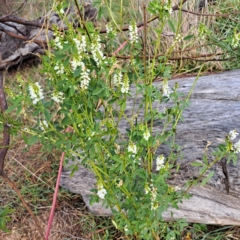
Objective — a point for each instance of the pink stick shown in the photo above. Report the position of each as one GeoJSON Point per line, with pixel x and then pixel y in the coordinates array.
{"type": "Point", "coordinates": [55, 193]}
{"type": "Point", "coordinates": [125, 43]}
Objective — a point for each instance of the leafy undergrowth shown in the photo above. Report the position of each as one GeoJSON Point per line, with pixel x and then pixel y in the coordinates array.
{"type": "Point", "coordinates": [34, 171]}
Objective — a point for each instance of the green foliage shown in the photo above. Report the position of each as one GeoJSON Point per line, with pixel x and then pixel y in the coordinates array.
{"type": "Point", "coordinates": [4, 218]}
{"type": "Point", "coordinates": [87, 88]}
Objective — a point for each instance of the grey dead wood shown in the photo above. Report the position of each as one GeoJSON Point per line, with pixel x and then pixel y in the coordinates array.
{"type": "Point", "coordinates": [22, 40]}
{"type": "Point", "coordinates": [214, 110]}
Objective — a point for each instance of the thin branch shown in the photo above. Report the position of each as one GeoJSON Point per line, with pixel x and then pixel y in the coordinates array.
{"type": "Point", "coordinates": [20, 7]}
{"type": "Point", "coordinates": [209, 15]}
{"type": "Point", "coordinates": [41, 43]}
{"type": "Point", "coordinates": [6, 135]}
{"type": "Point", "coordinates": [82, 19]}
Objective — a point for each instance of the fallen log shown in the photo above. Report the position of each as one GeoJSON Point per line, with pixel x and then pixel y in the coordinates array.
{"type": "Point", "coordinates": [214, 110]}
{"type": "Point", "coordinates": [22, 40]}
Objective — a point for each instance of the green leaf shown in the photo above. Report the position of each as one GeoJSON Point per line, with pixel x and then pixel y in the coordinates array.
{"type": "Point", "coordinates": [197, 164]}
{"type": "Point", "coordinates": [205, 180]}
{"type": "Point", "coordinates": [97, 91]}
{"type": "Point", "coordinates": [66, 121]}
{"type": "Point", "coordinates": [32, 140]}
{"type": "Point", "coordinates": [171, 25]}
{"type": "Point", "coordinates": [77, 72]}
{"type": "Point", "coordinates": [10, 109]}
{"type": "Point", "coordinates": [188, 37]}
{"type": "Point", "coordinates": [74, 169]}
{"type": "Point", "coordinates": [60, 57]}
{"type": "Point", "coordinates": [47, 115]}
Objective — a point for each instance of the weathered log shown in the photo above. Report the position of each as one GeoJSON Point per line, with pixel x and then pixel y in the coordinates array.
{"type": "Point", "coordinates": [214, 111]}
{"type": "Point", "coordinates": [21, 40]}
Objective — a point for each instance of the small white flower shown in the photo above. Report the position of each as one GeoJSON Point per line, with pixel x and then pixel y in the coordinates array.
{"type": "Point", "coordinates": [125, 228]}
{"type": "Point", "coordinates": [237, 147]}
{"type": "Point", "coordinates": [117, 78]}
{"type": "Point", "coordinates": [160, 162]}
{"type": "Point", "coordinates": [146, 135]}
{"type": "Point", "coordinates": [58, 97]}
{"type": "Point", "coordinates": [118, 148]}
{"type": "Point", "coordinates": [96, 51]}
{"type": "Point", "coordinates": [101, 192]}
{"type": "Point", "coordinates": [125, 85]}
{"type": "Point", "coordinates": [43, 125]}
{"type": "Point", "coordinates": [120, 183]}
{"type": "Point", "coordinates": [59, 68]}
{"type": "Point", "coordinates": [109, 28]}
{"type": "Point", "coordinates": [57, 43]}
{"type": "Point", "coordinates": [36, 92]}
{"type": "Point", "coordinates": [165, 89]}
{"type": "Point", "coordinates": [176, 188]}
{"type": "Point", "coordinates": [81, 45]}
{"type": "Point", "coordinates": [75, 63]}
{"type": "Point", "coordinates": [178, 38]}
{"type": "Point", "coordinates": [85, 79]}
{"type": "Point", "coordinates": [233, 134]}
{"type": "Point", "coordinates": [168, 8]}
{"type": "Point", "coordinates": [133, 33]}
{"type": "Point", "coordinates": [132, 148]}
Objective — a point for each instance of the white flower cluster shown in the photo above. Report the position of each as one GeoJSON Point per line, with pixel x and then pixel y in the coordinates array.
{"type": "Point", "coordinates": [178, 38]}
{"type": "Point", "coordinates": [120, 183]}
{"type": "Point", "coordinates": [59, 68]}
{"type": "Point", "coordinates": [81, 45]}
{"type": "Point", "coordinates": [159, 162]}
{"type": "Point", "coordinates": [168, 8]}
{"type": "Point", "coordinates": [58, 97]}
{"type": "Point", "coordinates": [36, 92]}
{"type": "Point", "coordinates": [146, 135]}
{"type": "Point", "coordinates": [118, 81]}
{"type": "Point", "coordinates": [235, 40]}
{"type": "Point", "coordinates": [176, 188]}
{"type": "Point", "coordinates": [96, 51]}
{"type": "Point", "coordinates": [236, 146]}
{"type": "Point", "coordinates": [233, 134]}
{"type": "Point", "coordinates": [85, 79]}
{"type": "Point", "coordinates": [133, 33]}
{"type": "Point", "coordinates": [153, 192]}
{"type": "Point", "coordinates": [43, 125]}
{"type": "Point", "coordinates": [109, 28]}
{"type": "Point", "coordinates": [75, 63]}
{"type": "Point", "coordinates": [117, 78]}
{"type": "Point", "coordinates": [165, 89]}
{"type": "Point", "coordinates": [125, 85]}
{"type": "Point", "coordinates": [154, 204]}
{"type": "Point", "coordinates": [118, 149]}
{"type": "Point", "coordinates": [81, 48]}
{"type": "Point", "coordinates": [101, 191]}
{"type": "Point", "coordinates": [61, 11]}
{"type": "Point", "coordinates": [132, 148]}
{"type": "Point", "coordinates": [58, 43]}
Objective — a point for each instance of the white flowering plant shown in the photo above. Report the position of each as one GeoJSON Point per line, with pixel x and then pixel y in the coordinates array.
{"type": "Point", "coordinates": [87, 88]}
